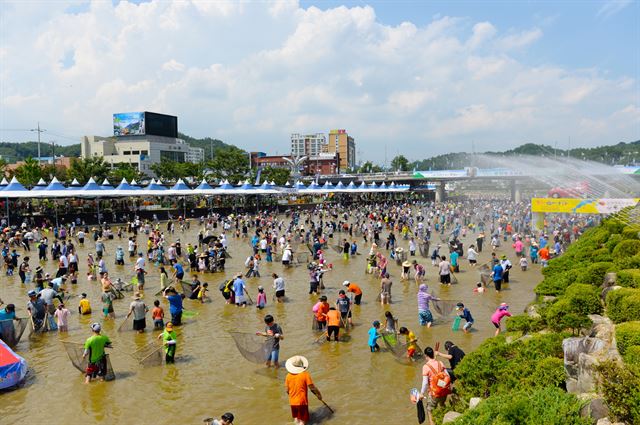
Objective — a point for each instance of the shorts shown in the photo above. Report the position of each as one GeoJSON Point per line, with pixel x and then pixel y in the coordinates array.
{"type": "Point", "coordinates": [421, 273]}
{"type": "Point", "coordinates": [179, 276]}
{"type": "Point", "coordinates": [445, 278]}
{"type": "Point", "coordinates": [98, 368]}
{"type": "Point", "coordinates": [107, 310]}
{"type": "Point", "coordinates": [473, 261]}
{"type": "Point", "coordinates": [158, 323]}
{"type": "Point", "coordinates": [300, 412]}
{"type": "Point", "coordinates": [424, 317]}
{"type": "Point", "coordinates": [433, 402]}
{"type": "Point", "coordinates": [374, 348]}
{"type": "Point", "coordinates": [411, 352]}
{"type": "Point", "coordinates": [240, 300]}
{"type": "Point", "coordinates": [345, 314]}
{"type": "Point", "coordinates": [497, 325]}
{"type": "Point", "coordinates": [226, 295]}
{"type": "Point", "coordinates": [139, 325]}
{"type": "Point", "coordinates": [357, 299]}
{"type": "Point", "coordinates": [280, 294]}
{"type": "Point", "coordinates": [467, 326]}
{"type": "Point", "coordinates": [286, 263]}
{"type": "Point", "coordinates": [272, 356]}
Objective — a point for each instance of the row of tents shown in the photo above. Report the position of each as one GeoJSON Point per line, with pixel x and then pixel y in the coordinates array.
{"type": "Point", "coordinates": [91, 189]}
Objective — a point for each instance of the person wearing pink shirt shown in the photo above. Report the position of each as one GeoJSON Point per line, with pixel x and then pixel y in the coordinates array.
{"type": "Point", "coordinates": [497, 316]}
{"type": "Point", "coordinates": [518, 246]}
{"type": "Point", "coordinates": [62, 318]}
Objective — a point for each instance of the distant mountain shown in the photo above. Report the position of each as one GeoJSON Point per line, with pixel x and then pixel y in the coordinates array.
{"type": "Point", "coordinates": [620, 154]}
{"type": "Point", "coordinates": [207, 144]}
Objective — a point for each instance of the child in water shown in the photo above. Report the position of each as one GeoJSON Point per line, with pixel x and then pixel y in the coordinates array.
{"type": "Point", "coordinates": [261, 299]}
{"type": "Point", "coordinates": [479, 288]}
{"type": "Point", "coordinates": [391, 322]}
{"type": "Point", "coordinates": [373, 336]}
{"type": "Point", "coordinates": [84, 306]}
{"type": "Point", "coordinates": [157, 314]}
{"type": "Point", "coordinates": [524, 263]}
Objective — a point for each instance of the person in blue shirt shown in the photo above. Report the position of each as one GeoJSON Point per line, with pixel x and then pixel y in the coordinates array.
{"type": "Point", "coordinates": [178, 274]}
{"type": "Point", "coordinates": [239, 290]}
{"type": "Point", "coordinates": [497, 276]}
{"type": "Point", "coordinates": [543, 242]}
{"type": "Point", "coordinates": [354, 248]}
{"type": "Point", "coordinates": [373, 336]}
{"type": "Point", "coordinates": [464, 313]}
{"type": "Point", "coordinates": [454, 261]}
{"type": "Point", "coordinates": [175, 305]}
{"type": "Point", "coordinates": [8, 313]}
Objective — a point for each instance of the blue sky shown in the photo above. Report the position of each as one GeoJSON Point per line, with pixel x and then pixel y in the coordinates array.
{"type": "Point", "coordinates": [415, 77]}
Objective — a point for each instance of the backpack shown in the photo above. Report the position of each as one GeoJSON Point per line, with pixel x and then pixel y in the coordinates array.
{"type": "Point", "coordinates": [440, 382]}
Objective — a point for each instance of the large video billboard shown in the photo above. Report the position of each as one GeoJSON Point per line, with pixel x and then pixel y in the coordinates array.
{"type": "Point", "coordinates": [128, 124]}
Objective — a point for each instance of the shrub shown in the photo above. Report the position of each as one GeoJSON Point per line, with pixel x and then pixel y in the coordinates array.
{"type": "Point", "coordinates": [613, 225]}
{"type": "Point", "coordinates": [549, 406]}
{"type": "Point", "coordinates": [620, 387]}
{"type": "Point", "coordinates": [627, 335]}
{"type": "Point", "coordinates": [561, 316]}
{"type": "Point", "coordinates": [594, 273]}
{"type": "Point", "coordinates": [524, 323]}
{"type": "Point", "coordinates": [601, 255]}
{"type": "Point", "coordinates": [623, 305]}
{"type": "Point", "coordinates": [626, 249]}
{"type": "Point", "coordinates": [551, 371]}
{"type": "Point", "coordinates": [629, 278]}
{"type": "Point", "coordinates": [613, 240]}
{"type": "Point", "coordinates": [630, 232]}
{"type": "Point", "coordinates": [629, 262]}
{"type": "Point", "coordinates": [632, 357]}
{"type": "Point", "coordinates": [557, 284]}
{"type": "Point", "coordinates": [583, 299]}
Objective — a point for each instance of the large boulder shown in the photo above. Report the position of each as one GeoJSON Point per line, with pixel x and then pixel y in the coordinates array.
{"type": "Point", "coordinates": [450, 417]}
{"type": "Point", "coordinates": [595, 409]}
{"type": "Point", "coordinates": [473, 403]}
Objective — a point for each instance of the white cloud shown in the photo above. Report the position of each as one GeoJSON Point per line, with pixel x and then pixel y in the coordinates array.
{"type": "Point", "coordinates": [612, 7]}
{"type": "Point", "coordinates": [252, 73]}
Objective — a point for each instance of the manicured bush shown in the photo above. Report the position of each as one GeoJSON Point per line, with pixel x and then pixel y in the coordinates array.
{"type": "Point", "coordinates": [551, 371]}
{"type": "Point", "coordinates": [620, 387]}
{"type": "Point", "coordinates": [613, 225]}
{"type": "Point", "coordinates": [626, 249]}
{"type": "Point", "coordinates": [556, 285]}
{"type": "Point", "coordinates": [627, 335]}
{"type": "Point", "coordinates": [583, 299]}
{"type": "Point", "coordinates": [632, 356]}
{"type": "Point", "coordinates": [629, 262]}
{"type": "Point", "coordinates": [629, 278]}
{"type": "Point", "coordinates": [524, 323]}
{"type": "Point", "coordinates": [549, 406]}
{"type": "Point", "coordinates": [613, 240]}
{"type": "Point", "coordinates": [601, 255]}
{"type": "Point", "coordinates": [623, 305]}
{"type": "Point", "coordinates": [594, 273]}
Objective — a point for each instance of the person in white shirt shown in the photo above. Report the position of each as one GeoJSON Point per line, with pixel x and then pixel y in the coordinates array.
{"type": "Point", "coordinates": [472, 255]}
{"type": "Point", "coordinates": [139, 268]}
{"type": "Point", "coordinates": [278, 285]}
{"type": "Point", "coordinates": [445, 271]}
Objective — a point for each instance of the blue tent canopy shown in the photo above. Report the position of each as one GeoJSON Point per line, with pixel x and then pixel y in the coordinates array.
{"type": "Point", "coordinates": [3, 183]}
{"type": "Point", "coordinates": [134, 185]}
{"type": "Point", "coordinates": [180, 185]}
{"type": "Point", "coordinates": [55, 185]}
{"type": "Point", "coordinates": [41, 185]}
{"type": "Point", "coordinates": [246, 186]}
{"type": "Point", "coordinates": [106, 185]}
{"type": "Point", "coordinates": [123, 186]}
{"type": "Point", "coordinates": [91, 185]}
{"type": "Point", "coordinates": [155, 186]}
{"type": "Point", "coordinates": [204, 185]}
{"type": "Point", "coordinates": [225, 185]}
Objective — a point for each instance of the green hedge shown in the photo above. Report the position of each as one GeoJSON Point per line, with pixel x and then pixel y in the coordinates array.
{"type": "Point", "coordinates": [556, 284]}
{"type": "Point", "coordinates": [594, 273]}
{"type": "Point", "coordinates": [627, 336]}
{"type": "Point", "coordinates": [626, 249]}
{"type": "Point", "coordinates": [583, 299]}
{"type": "Point", "coordinates": [613, 240]}
{"type": "Point", "coordinates": [524, 323]}
{"type": "Point", "coordinates": [623, 305]}
{"type": "Point", "coordinates": [620, 387]}
{"type": "Point", "coordinates": [629, 262]}
{"type": "Point", "coordinates": [631, 232]}
{"type": "Point", "coordinates": [629, 278]}
{"type": "Point", "coordinates": [601, 255]}
{"type": "Point", "coordinates": [548, 405]}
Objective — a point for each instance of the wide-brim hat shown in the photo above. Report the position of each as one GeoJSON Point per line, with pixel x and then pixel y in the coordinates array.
{"type": "Point", "coordinates": [406, 264]}
{"type": "Point", "coordinates": [297, 364]}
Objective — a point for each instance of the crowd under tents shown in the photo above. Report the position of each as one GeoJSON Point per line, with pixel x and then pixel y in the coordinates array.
{"type": "Point", "coordinates": [55, 189]}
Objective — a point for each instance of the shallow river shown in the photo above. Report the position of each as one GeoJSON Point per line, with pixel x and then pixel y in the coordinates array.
{"type": "Point", "coordinates": [210, 377]}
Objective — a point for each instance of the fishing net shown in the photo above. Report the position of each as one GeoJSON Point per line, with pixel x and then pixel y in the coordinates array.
{"type": "Point", "coordinates": [254, 348]}
{"type": "Point", "coordinates": [277, 257]}
{"type": "Point", "coordinates": [75, 350]}
{"type": "Point", "coordinates": [444, 308]}
{"type": "Point", "coordinates": [11, 331]}
{"type": "Point", "coordinates": [424, 249]}
{"type": "Point", "coordinates": [337, 248]}
{"type": "Point", "coordinates": [149, 355]}
{"type": "Point", "coordinates": [394, 345]}
{"type": "Point", "coordinates": [186, 289]}
{"type": "Point", "coordinates": [320, 415]}
{"type": "Point", "coordinates": [302, 257]}
{"type": "Point", "coordinates": [485, 274]}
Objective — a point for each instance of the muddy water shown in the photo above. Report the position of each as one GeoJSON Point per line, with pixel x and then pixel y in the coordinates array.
{"type": "Point", "coordinates": [211, 377]}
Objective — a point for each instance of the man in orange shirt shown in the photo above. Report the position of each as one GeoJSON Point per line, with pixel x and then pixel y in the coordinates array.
{"type": "Point", "coordinates": [352, 287]}
{"type": "Point", "coordinates": [296, 383]}
{"type": "Point", "coordinates": [544, 256]}
{"type": "Point", "coordinates": [321, 312]}
{"type": "Point", "coordinates": [333, 323]}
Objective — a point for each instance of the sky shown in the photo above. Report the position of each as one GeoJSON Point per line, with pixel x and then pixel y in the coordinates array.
{"type": "Point", "coordinates": [418, 78]}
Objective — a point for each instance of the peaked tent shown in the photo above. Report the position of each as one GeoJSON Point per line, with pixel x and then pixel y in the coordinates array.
{"type": "Point", "coordinates": [41, 185]}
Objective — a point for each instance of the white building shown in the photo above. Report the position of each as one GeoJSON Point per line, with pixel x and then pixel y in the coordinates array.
{"type": "Point", "coordinates": [140, 151]}
{"type": "Point", "coordinates": [307, 144]}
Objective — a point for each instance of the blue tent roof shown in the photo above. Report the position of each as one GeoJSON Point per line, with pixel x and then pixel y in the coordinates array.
{"type": "Point", "coordinates": [75, 185]}
{"type": "Point", "coordinates": [135, 185]}
{"type": "Point", "coordinates": [351, 186]}
{"type": "Point", "coordinates": [363, 186]}
{"type": "Point", "coordinates": [340, 186]}
{"type": "Point", "coordinates": [327, 185]}
{"type": "Point", "coordinates": [3, 183]}
{"type": "Point", "coordinates": [156, 186]}
{"type": "Point", "coordinates": [91, 185]}
{"type": "Point", "coordinates": [15, 186]}
{"type": "Point", "coordinates": [106, 185]}
{"type": "Point", "coordinates": [124, 185]}
{"type": "Point", "coordinates": [41, 185]}
{"type": "Point", "coordinates": [204, 185]}
{"type": "Point", "coordinates": [226, 185]}
{"type": "Point", "coordinates": [180, 185]}
{"type": "Point", "coordinates": [246, 185]}
{"type": "Point", "coordinates": [314, 186]}
{"type": "Point", "coordinates": [56, 185]}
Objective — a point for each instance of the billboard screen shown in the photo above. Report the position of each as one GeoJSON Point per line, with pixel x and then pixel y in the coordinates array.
{"type": "Point", "coordinates": [161, 124]}
{"type": "Point", "coordinates": [128, 124]}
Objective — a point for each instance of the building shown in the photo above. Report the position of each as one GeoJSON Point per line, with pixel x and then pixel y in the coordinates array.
{"type": "Point", "coordinates": [323, 163]}
{"type": "Point", "coordinates": [141, 139]}
{"type": "Point", "coordinates": [274, 161]}
{"type": "Point", "coordinates": [345, 146]}
{"type": "Point", "coordinates": [307, 144]}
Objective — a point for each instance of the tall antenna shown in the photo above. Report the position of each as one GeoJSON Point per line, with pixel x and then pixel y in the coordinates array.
{"type": "Point", "coordinates": [39, 130]}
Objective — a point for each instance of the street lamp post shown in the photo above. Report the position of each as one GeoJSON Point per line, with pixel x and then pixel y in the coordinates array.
{"type": "Point", "coordinates": [39, 130]}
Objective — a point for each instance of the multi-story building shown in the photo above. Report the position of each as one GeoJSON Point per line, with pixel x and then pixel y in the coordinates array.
{"type": "Point", "coordinates": [307, 144]}
{"type": "Point", "coordinates": [345, 146]}
{"type": "Point", "coordinates": [141, 139]}
{"type": "Point", "coordinates": [323, 163]}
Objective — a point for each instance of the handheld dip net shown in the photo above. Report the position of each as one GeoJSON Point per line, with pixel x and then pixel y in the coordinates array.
{"type": "Point", "coordinates": [75, 350]}
{"type": "Point", "coordinates": [254, 348]}
{"type": "Point", "coordinates": [11, 331]}
{"type": "Point", "coordinates": [149, 355]}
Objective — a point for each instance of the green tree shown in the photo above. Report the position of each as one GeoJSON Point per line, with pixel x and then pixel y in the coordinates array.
{"type": "Point", "coordinates": [400, 163]}
{"type": "Point", "coordinates": [229, 163]}
{"type": "Point", "coordinates": [85, 168]}
{"type": "Point", "coordinates": [124, 171]}
{"type": "Point", "coordinates": [30, 172]}
{"type": "Point", "coordinates": [165, 169]}
{"type": "Point", "coordinates": [369, 167]}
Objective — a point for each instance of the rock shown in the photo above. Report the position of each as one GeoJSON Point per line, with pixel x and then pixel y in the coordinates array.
{"type": "Point", "coordinates": [449, 417]}
{"type": "Point", "coordinates": [532, 312]}
{"type": "Point", "coordinates": [603, 421]}
{"type": "Point", "coordinates": [595, 409]}
{"type": "Point", "coordinates": [548, 299]}
{"type": "Point", "coordinates": [610, 279]}
{"type": "Point", "coordinates": [473, 403]}
{"type": "Point", "coordinates": [580, 364]}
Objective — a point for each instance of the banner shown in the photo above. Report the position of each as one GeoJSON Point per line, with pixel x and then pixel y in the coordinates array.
{"type": "Point", "coordinates": [581, 206]}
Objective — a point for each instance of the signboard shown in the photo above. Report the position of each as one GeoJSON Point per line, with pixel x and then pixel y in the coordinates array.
{"type": "Point", "coordinates": [128, 124]}
{"type": "Point", "coordinates": [581, 206]}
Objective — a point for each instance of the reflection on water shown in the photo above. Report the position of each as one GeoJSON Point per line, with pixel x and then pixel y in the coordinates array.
{"type": "Point", "coordinates": [210, 377]}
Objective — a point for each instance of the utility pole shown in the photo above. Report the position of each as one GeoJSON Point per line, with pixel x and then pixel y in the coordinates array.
{"type": "Point", "coordinates": [569, 152]}
{"type": "Point", "coordinates": [39, 130]}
